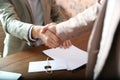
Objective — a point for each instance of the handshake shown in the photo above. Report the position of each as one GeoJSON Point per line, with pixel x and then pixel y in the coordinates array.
{"type": "Point", "coordinates": [49, 36]}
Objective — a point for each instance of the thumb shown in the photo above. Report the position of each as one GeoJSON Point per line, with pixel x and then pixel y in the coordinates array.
{"type": "Point", "coordinates": [44, 29]}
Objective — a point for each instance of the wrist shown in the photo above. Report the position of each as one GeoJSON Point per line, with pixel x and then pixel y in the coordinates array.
{"type": "Point", "coordinates": [36, 30]}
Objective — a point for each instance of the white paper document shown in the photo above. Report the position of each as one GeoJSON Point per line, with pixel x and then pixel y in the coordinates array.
{"type": "Point", "coordinates": [73, 56]}
{"type": "Point", "coordinates": [39, 66]}
{"type": "Point", "coordinates": [4, 75]}
{"type": "Point", "coordinates": [69, 59]}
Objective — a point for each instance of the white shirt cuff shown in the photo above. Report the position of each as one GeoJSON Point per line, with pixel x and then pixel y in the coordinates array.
{"type": "Point", "coordinates": [36, 41]}
{"type": "Point", "coordinates": [30, 35]}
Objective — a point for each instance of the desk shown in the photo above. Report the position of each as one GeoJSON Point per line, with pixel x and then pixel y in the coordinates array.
{"type": "Point", "coordinates": [19, 62]}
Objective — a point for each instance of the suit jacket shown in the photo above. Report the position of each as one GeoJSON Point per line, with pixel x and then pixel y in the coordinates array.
{"type": "Point", "coordinates": [103, 59]}
{"type": "Point", "coordinates": [16, 19]}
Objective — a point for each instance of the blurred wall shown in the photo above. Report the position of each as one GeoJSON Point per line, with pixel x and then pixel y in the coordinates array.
{"type": "Point", "coordinates": [70, 8]}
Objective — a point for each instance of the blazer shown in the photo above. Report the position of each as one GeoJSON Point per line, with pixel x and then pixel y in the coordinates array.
{"type": "Point", "coordinates": [103, 59]}
{"type": "Point", "coordinates": [16, 19]}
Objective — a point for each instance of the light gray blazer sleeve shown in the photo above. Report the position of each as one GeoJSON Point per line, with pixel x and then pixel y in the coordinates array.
{"type": "Point", "coordinates": [78, 24]}
{"type": "Point", "coordinates": [11, 22]}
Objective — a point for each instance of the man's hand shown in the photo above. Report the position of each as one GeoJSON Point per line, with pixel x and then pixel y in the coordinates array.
{"type": "Point", "coordinates": [66, 44]}
{"type": "Point", "coordinates": [48, 37]}
{"type": "Point", "coordinates": [52, 27]}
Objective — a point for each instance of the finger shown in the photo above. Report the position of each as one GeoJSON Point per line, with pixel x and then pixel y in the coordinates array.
{"type": "Point", "coordinates": [44, 29]}
{"type": "Point", "coordinates": [48, 45]}
{"type": "Point", "coordinates": [51, 40]}
{"type": "Point", "coordinates": [52, 28]}
{"type": "Point", "coordinates": [52, 23]}
{"type": "Point", "coordinates": [61, 46]}
{"type": "Point", "coordinates": [51, 45]}
{"type": "Point", "coordinates": [54, 38]}
{"type": "Point", "coordinates": [64, 44]}
{"type": "Point", "coordinates": [68, 43]}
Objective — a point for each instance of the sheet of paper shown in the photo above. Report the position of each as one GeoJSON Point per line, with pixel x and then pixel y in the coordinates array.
{"type": "Point", "coordinates": [4, 75]}
{"type": "Point", "coordinates": [73, 56]}
{"type": "Point", "coordinates": [39, 66]}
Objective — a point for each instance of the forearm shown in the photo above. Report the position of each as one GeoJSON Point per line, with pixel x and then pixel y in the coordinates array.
{"type": "Point", "coordinates": [78, 24]}
{"type": "Point", "coordinates": [11, 22]}
{"type": "Point", "coordinates": [36, 31]}
{"type": "Point", "coordinates": [16, 28]}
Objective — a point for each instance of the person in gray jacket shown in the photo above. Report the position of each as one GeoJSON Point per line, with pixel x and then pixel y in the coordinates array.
{"type": "Point", "coordinates": [23, 20]}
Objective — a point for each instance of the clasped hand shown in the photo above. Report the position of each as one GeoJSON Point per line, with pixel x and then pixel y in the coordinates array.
{"type": "Point", "coordinates": [49, 37]}
{"type": "Point", "coordinates": [55, 40]}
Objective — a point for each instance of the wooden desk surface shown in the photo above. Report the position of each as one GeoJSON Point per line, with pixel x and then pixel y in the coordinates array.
{"type": "Point", "coordinates": [19, 62]}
